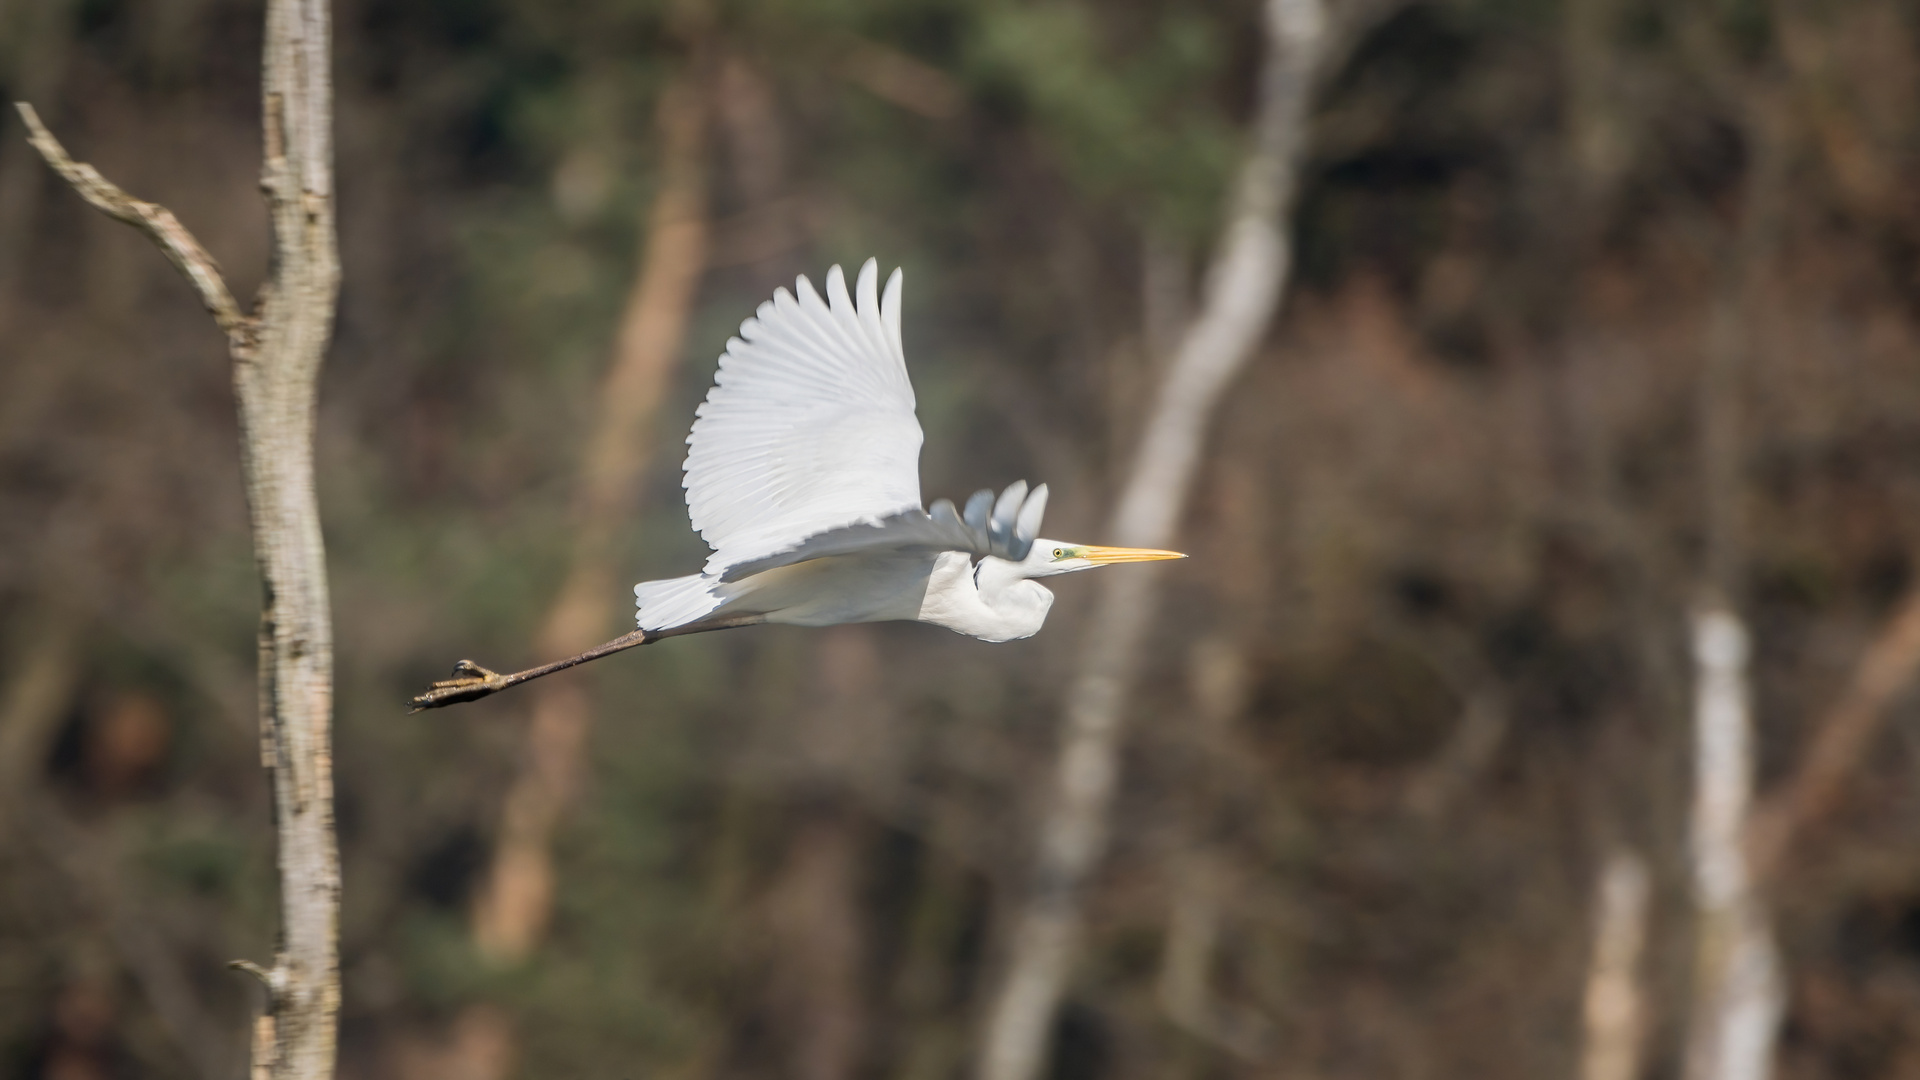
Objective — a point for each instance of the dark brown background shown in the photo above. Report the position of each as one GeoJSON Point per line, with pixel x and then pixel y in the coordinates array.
{"type": "Point", "coordinates": [1427, 665]}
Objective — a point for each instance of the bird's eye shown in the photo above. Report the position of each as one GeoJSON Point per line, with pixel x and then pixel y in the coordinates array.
{"type": "Point", "coordinates": [1059, 553]}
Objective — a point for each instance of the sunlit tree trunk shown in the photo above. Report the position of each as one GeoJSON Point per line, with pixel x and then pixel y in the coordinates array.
{"type": "Point", "coordinates": [1242, 290]}
{"type": "Point", "coordinates": [277, 351]}
{"type": "Point", "coordinates": [277, 405]}
{"type": "Point", "coordinates": [1738, 998]}
{"type": "Point", "coordinates": [1738, 992]}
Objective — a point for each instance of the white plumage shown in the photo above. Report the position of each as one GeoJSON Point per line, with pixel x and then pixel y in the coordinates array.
{"type": "Point", "coordinates": [803, 476]}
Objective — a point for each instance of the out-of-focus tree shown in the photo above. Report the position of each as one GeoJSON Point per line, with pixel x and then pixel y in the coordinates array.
{"type": "Point", "coordinates": [1428, 667]}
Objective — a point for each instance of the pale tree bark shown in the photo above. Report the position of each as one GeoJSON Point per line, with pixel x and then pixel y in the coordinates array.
{"type": "Point", "coordinates": [1739, 1001]}
{"type": "Point", "coordinates": [1243, 289]}
{"type": "Point", "coordinates": [1740, 850]}
{"type": "Point", "coordinates": [1613, 1010]}
{"type": "Point", "coordinates": [1738, 993]}
{"type": "Point", "coordinates": [277, 352]}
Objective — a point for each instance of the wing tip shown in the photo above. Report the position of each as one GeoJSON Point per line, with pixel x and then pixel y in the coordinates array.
{"type": "Point", "coordinates": [837, 298]}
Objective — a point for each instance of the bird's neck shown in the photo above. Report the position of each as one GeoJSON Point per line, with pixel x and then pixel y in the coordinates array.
{"type": "Point", "coordinates": [994, 578]}
{"type": "Point", "coordinates": [993, 601]}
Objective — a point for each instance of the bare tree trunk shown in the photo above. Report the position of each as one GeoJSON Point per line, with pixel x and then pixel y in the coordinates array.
{"type": "Point", "coordinates": [1614, 1014]}
{"type": "Point", "coordinates": [1738, 998]}
{"type": "Point", "coordinates": [1243, 289]}
{"type": "Point", "coordinates": [276, 390]}
{"type": "Point", "coordinates": [1738, 995]}
{"type": "Point", "coordinates": [277, 354]}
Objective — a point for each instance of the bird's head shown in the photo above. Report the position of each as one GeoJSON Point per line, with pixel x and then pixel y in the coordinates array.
{"type": "Point", "coordinates": [1050, 557]}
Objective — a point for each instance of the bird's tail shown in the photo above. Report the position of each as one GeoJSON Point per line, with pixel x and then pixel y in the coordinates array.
{"type": "Point", "coordinates": [663, 605]}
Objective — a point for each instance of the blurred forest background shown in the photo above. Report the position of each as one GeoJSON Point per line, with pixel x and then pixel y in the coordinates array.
{"type": "Point", "coordinates": [1428, 667]}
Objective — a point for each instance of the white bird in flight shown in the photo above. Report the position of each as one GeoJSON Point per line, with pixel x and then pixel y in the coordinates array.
{"type": "Point", "coordinates": [803, 476]}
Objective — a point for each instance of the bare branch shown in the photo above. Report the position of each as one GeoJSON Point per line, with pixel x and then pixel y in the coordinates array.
{"type": "Point", "coordinates": [151, 218]}
{"type": "Point", "coordinates": [1840, 739]}
{"type": "Point", "coordinates": [266, 977]}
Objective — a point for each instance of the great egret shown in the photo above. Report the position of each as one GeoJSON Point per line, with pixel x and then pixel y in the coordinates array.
{"type": "Point", "coordinates": [803, 476]}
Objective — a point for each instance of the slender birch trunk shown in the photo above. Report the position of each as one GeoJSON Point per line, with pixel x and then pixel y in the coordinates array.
{"type": "Point", "coordinates": [277, 351]}
{"type": "Point", "coordinates": [1243, 288]}
{"type": "Point", "coordinates": [1738, 998]}
{"type": "Point", "coordinates": [1614, 1010]}
{"type": "Point", "coordinates": [277, 407]}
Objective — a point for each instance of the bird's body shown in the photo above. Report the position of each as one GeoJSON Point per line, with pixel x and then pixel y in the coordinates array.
{"type": "Point", "coordinates": [803, 476]}
{"type": "Point", "coordinates": [944, 588]}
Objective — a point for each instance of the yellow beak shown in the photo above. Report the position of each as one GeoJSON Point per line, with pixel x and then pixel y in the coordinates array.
{"type": "Point", "coordinates": [1120, 554]}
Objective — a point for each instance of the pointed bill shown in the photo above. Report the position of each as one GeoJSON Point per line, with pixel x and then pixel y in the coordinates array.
{"type": "Point", "coordinates": [1120, 554]}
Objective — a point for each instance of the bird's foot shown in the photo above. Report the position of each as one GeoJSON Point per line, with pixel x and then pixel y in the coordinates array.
{"type": "Point", "coordinates": [470, 682]}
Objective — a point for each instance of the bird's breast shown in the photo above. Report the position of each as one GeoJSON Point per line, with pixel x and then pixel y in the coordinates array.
{"type": "Point", "coordinates": [954, 601]}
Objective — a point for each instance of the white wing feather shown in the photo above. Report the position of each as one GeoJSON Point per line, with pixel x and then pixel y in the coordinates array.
{"type": "Point", "coordinates": [809, 425]}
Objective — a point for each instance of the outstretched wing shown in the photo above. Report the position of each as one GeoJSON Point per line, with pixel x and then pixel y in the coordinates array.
{"type": "Point", "coordinates": [1005, 528]}
{"type": "Point", "coordinates": [809, 427]}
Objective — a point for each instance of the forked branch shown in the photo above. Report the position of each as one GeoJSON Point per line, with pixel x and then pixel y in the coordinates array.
{"type": "Point", "coordinates": [151, 218]}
